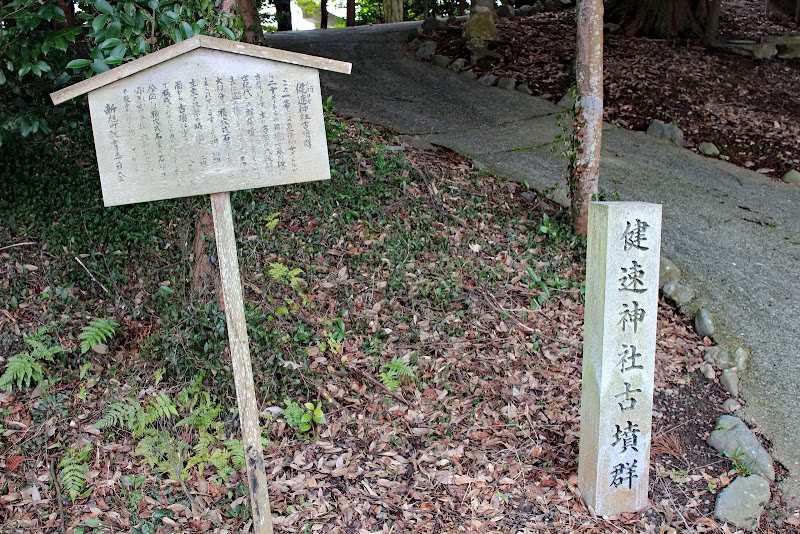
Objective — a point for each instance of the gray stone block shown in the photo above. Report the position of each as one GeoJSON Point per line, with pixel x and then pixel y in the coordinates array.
{"type": "Point", "coordinates": [733, 439]}
{"type": "Point", "coordinates": [728, 357]}
{"type": "Point", "coordinates": [426, 50]}
{"type": "Point", "coordinates": [458, 64]}
{"type": "Point", "coordinates": [440, 61]}
{"type": "Point", "coordinates": [668, 272]}
{"type": "Point", "coordinates": [487, 80]}
{"type": "Point", "coordinates": [678, 293]}
{"type": "Point", "coordinates": [791, 177]}
{"type": "Point", "coordinates": [508, 84]}
{"type": "Point", "coordinates": [743, 502]}
{"type": "Point", "coordinates": [730, 381]}
{"type": "Point", "coordinates": [709, 149]}
{"type": "Point", "coordinates": [523, 88]}
{"type": "Point", "coordinates": [703, 323]}
{"type": "Point", "coordinates": [506, 11]}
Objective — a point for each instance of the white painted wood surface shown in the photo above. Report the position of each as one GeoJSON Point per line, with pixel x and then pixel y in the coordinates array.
{"type": "Point", "coordinates": [240, 361]}
{"type": "Point", "coordinates": [206, 122]}
{"type": "Point", "coordinates": [622, 268]}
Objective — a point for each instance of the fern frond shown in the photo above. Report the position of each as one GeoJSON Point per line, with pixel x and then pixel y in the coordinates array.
{"type": "Point", "coordinates": [390, 379]}
{"type": "Point", "coordinates": [98, 331]}
{"type": "Point", "coordinates": [73, 471]}
{"type": "Point", "coordinates": [21, 369]}
{"type": "Point", "coordinates": [399, 366]}
{"type": "Point", "coordinates": [73, 479]}
{"type": "Point", "coordinates": [161, 407]}
{"type": "Point", "coordinates": [237, 452]}
{"type": "Point", "coordinates": [123, 414]}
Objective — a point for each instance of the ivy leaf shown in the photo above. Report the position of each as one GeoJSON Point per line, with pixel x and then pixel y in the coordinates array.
{"type": "Point", "coordinates": [109, 43]}
{"type": "Point", "coordinates": [78, 63]}
{"type": "Point", "coordinates": [186, 28]}
{"type": "Point", "coordinates": [103, 7]}
{"type": "Point", "coordinates": [99, 66]}
{"type": "Point", "coordinates": [99, 21]}
{"type": "Point", "coordinates": [2, 78]}
{"type": "Point", "coordinates": [227, 32]}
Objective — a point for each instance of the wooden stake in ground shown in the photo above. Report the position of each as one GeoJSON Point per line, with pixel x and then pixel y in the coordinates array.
{"type": "Point", "coordinates": [210, 116]}
{"type": "Point", "coordinates": [622, 268]}
{"type": "Point", "coordinates": [240, 360]}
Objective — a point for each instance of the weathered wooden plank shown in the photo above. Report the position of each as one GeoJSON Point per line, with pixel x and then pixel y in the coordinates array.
{"type": "Point", "coordinates": [193, 43]}
{"type": "Point", "coordinates": [240, 361]}
{"type": "Point", "coordinates": [207, 122]}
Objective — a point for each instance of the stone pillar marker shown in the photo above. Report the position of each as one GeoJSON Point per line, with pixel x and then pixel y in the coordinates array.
{"type": "Point", "coordinates": [622, 266]}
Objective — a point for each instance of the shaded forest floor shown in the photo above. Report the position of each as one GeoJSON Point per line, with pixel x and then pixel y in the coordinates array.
{"type": "Point", "coordinates": [433, 313]}
{"type": "Point", "coordinates": [749, 108]}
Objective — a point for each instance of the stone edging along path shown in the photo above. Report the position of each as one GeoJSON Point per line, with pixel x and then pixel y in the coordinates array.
{"type": "Point", "coordinates": [742, 502]}
{"type": "Point", "coordinates": [426, 51]}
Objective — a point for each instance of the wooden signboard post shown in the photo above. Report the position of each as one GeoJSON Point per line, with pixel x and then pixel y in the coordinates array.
{"type": "Point", "coordinates": [210, 116]}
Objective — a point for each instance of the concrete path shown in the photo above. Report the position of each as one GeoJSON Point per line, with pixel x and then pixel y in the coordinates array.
{"type": "Point", "coordinates": [735, 234]}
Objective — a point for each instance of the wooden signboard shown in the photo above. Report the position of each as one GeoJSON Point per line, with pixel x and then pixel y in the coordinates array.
{"type": "Point", "coordinates": [210, 116]}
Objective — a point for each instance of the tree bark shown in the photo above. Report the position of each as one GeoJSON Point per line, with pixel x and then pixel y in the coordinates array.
{"type": "Point", "coordinates": [663, 19]}
{"type": "Point", "coordinates": [585, 174]}
{"type": "Point", "coordinates": [351, 13]}
{"type": "Point", "coordinates": [712, 25]}
{"type": "Point", "coordinates": [392, 10]}
{"type": "Point", "coordinates": [323, 14]}
{"type": "Point", "coordinates": [283, 13]}
{"type": "Point", "coordinates": [462, 7]}
{"type": "Point", "coordinates": [69, 13]}
{"type": "Point", "coordinates": [251, 20]}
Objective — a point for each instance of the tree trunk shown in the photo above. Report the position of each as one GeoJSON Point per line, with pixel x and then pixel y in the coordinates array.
{"type": "Point", "coordinates": [323, 14]}
{"type": "Point", "coordinates": [69, 13]}
{"type": "Point", "coordinates": [462, 7]}
{"type": "Point", "coordinates": [351, 13]}
{"type": "Point", "coordinates": [712, 25]}
{"type": "Point", "coordinates": [425, 10]}
{"type": "Point", "coordinates": [253, 32]}
{"type": "Point", "coordinates": [662, 19]}
{"type": "Point", "coordinates": [251, 20]}
{"type": "Point", "coordinates": [587, 135]}
{"type": "Point", "coordinates": [482, 22]}
{"type": "Point", "coordinates": [283, 13]}
{"type": "Point", "coordinates": [392, 10]}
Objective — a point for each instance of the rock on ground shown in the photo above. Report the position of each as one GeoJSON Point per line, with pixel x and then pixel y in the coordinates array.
{"type": "Point", "coordinates": [727, 357]}
{"type": "Point", "coordinates": [730, 381]}
{"type": "Point", "coordinates": [426, 50]}
{"type": "Point", "coordinates": [703, 323]}
{"type": "Point", "coordinates": [792, 177]}
{"type": "Point", "coordinates": [507, 83]}
{"type": "Point", "coordinates": [709, 149]}
{"type": "Point", "coordinates": [668, 272]}
{"type": "Point", "coordinates": [678, 293]}
{"type": "Point", "coordinates": [742, 502]}
{"type": "Point", "coordinates": [733, 439]}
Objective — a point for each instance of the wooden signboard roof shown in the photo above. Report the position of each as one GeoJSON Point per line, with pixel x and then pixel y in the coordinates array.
{"type": "Point", "coordinates": [193, 43]}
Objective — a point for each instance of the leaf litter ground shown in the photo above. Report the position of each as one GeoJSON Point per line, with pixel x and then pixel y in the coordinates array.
{"type": "Point", "coordinates": [746, 107]}
{"type": "Point", "coordinates": [473, 284]}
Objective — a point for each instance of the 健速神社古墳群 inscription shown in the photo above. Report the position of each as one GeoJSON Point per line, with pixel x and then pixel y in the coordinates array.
{"type": "Point", "coordinates": [622, 267]}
